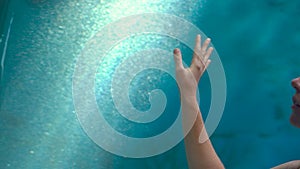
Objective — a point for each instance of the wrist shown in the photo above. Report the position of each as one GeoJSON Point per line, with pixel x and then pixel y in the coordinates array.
{"type": "Point", "coordinates": [189, 100]}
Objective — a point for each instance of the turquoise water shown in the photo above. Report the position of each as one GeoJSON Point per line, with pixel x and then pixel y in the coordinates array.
{"type": "Point", "coordinates": [257, 41]}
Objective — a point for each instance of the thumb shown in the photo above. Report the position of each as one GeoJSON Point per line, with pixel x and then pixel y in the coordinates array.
{"type": "Point", "coordinates": [178, 58]}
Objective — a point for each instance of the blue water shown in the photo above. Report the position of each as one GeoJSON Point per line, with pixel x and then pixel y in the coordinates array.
{"type": "Point", "coordinates": [257, 41]}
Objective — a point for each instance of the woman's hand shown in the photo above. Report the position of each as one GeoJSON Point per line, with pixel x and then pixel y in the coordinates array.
{"type": "Point", "coordinates": [188, 78]}
{"type": "Point", "coordinates": [200, 154]}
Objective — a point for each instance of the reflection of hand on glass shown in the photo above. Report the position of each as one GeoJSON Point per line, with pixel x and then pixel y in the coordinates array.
{"type": "Point", "coordinates": [199, 154]}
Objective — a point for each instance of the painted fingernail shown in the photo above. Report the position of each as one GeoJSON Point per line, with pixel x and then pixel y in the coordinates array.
{"type": "Point", "coordinates": [176, 51]}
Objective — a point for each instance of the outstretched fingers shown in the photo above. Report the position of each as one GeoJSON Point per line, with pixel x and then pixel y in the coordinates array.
{"type": "Point", "coordinates": [206, 65]}
{"type": "Point", "coordinates": [208, 54]}
{"type": "Point", "coordinates": [197, 48]}
{"type": "Point", "coordinates": [178, 59]}
{"type": "Point", "coordinates": [200, 61]}
{"type": "Point", "coordinates": [205, 45]}
{"type": "Point", "coordinates": [197, 43]}
{"type": "Point", "coordinates": [202, 52]}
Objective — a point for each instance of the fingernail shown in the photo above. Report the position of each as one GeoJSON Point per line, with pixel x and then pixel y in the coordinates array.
{"type": "Point", "coordinates": [176, 51]}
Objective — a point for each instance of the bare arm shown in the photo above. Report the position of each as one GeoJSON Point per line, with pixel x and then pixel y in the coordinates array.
{"type": "Point", "coordinates": [289, 165]}
{"type": "Point", "coordinates": [200, 154]}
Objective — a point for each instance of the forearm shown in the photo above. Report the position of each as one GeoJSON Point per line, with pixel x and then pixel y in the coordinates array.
{"type": "Point", "coordinates": [199, 155]}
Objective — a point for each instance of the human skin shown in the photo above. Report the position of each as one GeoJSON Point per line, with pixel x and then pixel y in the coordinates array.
{"type": "Point", "coordinates": [201, 154]}
{"type": "Point", "coordinates": [295, 116]}
{"type": "Point", "coordinates": [295, 120]}
{"type": "Point", "coordinates": [199, 150]}
{"type": "Point", "coordinates": [289, 165]}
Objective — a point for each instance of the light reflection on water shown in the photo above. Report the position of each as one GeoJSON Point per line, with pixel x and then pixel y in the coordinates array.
{"type": "Point", "coordinates": [37, 118]}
